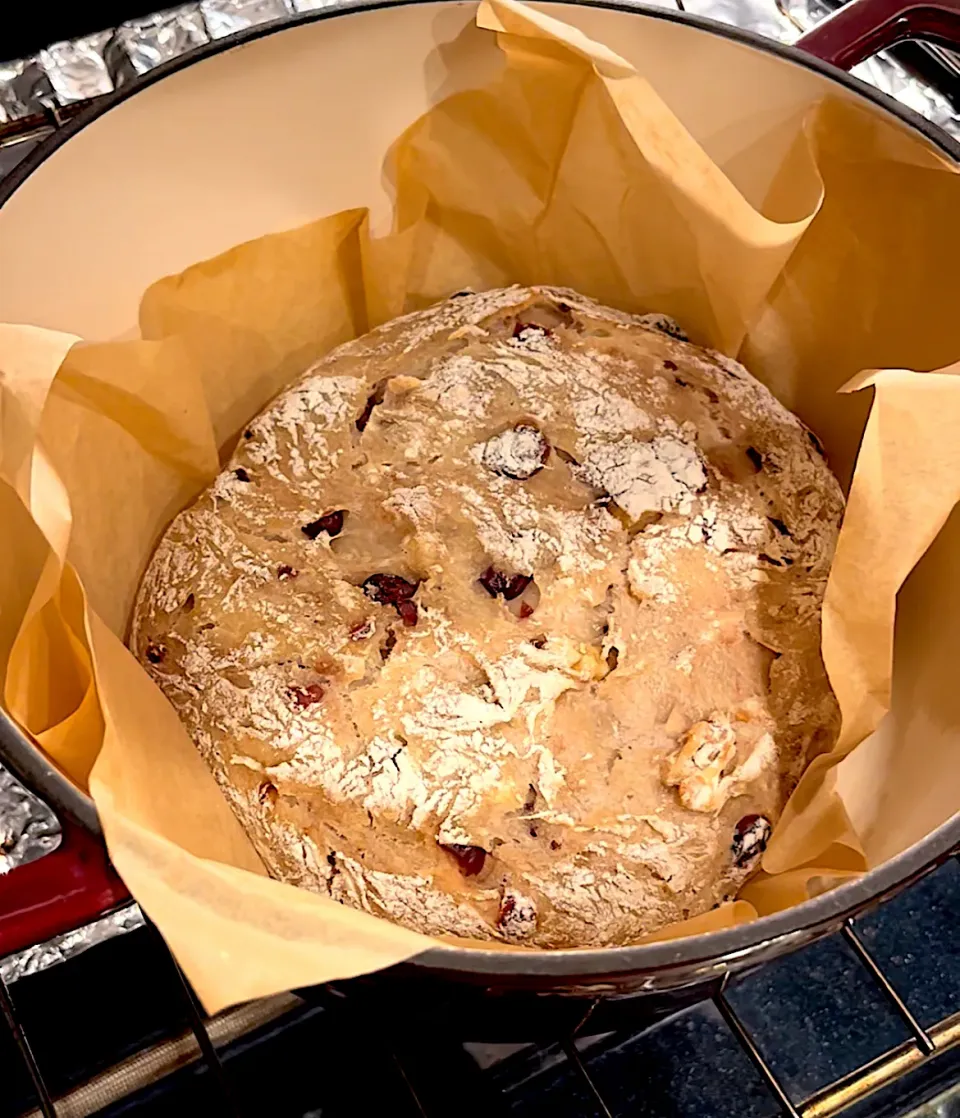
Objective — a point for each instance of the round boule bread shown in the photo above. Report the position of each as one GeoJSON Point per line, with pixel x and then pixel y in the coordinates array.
{"type": "Point", "coordinates": [504, 621]}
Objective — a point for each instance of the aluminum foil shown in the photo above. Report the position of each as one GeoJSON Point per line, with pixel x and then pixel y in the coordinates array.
{"type": "Point", "coordinates": [762, 16]}
{"type": "Point", "coordinates": [313, 5]}
{"type": "Point", "coordinates": [57, 950]}
{"type": "Point", "coordinates": [28, 828]}
{"type": "Point", "coordinates": [68, 73]}
{"type": "Point", "coordinates": [227, 17]}
{"type": "Point", "coordinates": [320, 5]}
{"type": "Point", "coordinates": [25, 90]}
{"type": "Point", "coordinates": [77, 70]}
{"type": "Point", "coordinates": [147, 42]}
{"type": "Point", "coordinates": [884, 72]}
{"type": "Point", "coordinates": [786, 20]}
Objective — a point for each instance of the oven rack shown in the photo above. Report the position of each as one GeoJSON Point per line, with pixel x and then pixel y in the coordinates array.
{"type": "Point", "coordinates": [426, 1077]}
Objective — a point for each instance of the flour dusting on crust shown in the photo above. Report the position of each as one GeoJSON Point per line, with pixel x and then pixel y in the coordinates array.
{"type": "Point", "coordinates": [504, 620]}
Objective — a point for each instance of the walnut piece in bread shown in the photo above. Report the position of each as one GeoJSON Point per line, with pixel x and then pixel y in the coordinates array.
{"type": "Point", "coordinates": [504, 621]}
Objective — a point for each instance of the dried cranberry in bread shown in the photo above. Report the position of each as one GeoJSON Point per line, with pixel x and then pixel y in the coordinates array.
{"type": "Point", "coordinates": [504, 621]}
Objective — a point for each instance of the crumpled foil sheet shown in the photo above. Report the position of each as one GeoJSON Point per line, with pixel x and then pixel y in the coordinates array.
{"type": "Point", "coordinates": [786, 20]}
{"type": "Point", "coordinates": [887, 74]}
{"type": "Point", "coordinates": [24, 89]}
{"type": "Point", "coordinates": [77, 70]}
{"type": "Point", "coordinates": [319, 5]}
{"type": "Point", "coordinates": [148, 41]}
{"type": "Point", "coordinates": [28, 828]}
{"type": "Point", "coordinates": [227, 17]}
{"type": "Point", "coordinates": [70, 73]}
{"type": "Point", "coordinates": [761, 16]}
{"type": "Point", "coordinates": [883, 71]}
{"type": "Point", "coordinates": [60, 948]}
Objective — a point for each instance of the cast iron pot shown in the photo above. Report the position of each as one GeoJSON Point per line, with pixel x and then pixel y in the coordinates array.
{"type": "Point", "coordinates": [158, 159]}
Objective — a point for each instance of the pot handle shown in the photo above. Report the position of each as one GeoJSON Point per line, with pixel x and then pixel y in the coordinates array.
{"type": "Point", "coordinates": [863, 28]}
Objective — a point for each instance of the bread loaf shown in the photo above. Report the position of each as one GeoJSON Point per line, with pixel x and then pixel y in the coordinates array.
{"type": "Point", "coordinates": [504, 621]}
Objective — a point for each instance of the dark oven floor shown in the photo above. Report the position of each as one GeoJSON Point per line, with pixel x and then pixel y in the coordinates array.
{"type": "Point", "coordinates": [110, 1033]}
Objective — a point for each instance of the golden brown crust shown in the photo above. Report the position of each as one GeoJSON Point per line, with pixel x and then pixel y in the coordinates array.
{"type": "Point", "coordinates": [528, 655]}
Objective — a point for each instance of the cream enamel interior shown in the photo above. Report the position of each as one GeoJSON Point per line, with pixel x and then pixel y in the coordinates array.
{"type": "Point", "coordinates": [286, 128]}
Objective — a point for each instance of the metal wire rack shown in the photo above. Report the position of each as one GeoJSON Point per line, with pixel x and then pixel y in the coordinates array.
{"type": "Point", "coordinates": [208, 1043]}
{"type": "Point", "coordinates": [838, 1097]}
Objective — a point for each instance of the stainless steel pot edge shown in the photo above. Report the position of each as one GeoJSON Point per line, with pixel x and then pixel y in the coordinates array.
{"type": "Point", "coordinates": [681, 961]}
